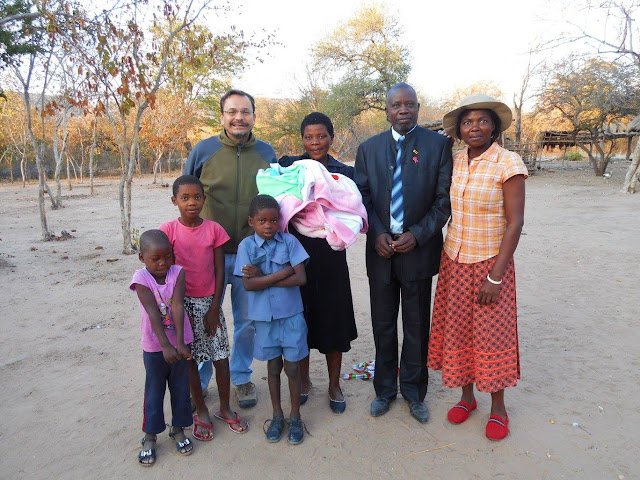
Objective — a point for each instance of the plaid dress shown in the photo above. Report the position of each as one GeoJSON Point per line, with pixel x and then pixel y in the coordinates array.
{"type": "Point", "coordinates": [469, 342]}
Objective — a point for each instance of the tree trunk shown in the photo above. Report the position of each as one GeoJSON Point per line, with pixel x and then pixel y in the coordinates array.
{"type": "Point", "coordinates": [69, 175]}
{"type": "Point", "coordinates": [592, 158]}
{"type": "Point", "coordinates": [22, 173]}
{"type": "Point", "coordinates": [91, 156]}
{"type": "Point", "coordinates": [48, 189]}
{"type": "Point", "coordinates": [75, 167]}
{"type": "Point", "coordinates": [11, 168]}
{"type": "Point", "coordinates": [517, 110]}
{"type": "Point", "coordinates": [155, 171]}
{"type": "Point", "coordinates": [38, 149]}
{"type": "Point", "coordinates": [157, 166]}
{"type": "Point", "coordinates": [57, 203]}
{"type": "Point", "coordinates": [81, 166]}
{"type": "Point", "coordinates": [58, 196]}
{"type": "Point", "coordinates": [124, 190]}
{"type": "Point", "coordinates": [600, 159]}
{"type": "Point", "coordinates": [633, 172]}
{"type": "Point", "coordinates": [58, 152]}
{"type": "Point", "coordinates": [46, 234]}
{"type": "Point", "coordinates": [137, 161]}
{"type": "Point", "coordinates": [124, 197]}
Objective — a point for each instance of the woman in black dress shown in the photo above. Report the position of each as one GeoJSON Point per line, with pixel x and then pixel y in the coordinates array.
{"type": "Point", "coordinates": [328, 306]}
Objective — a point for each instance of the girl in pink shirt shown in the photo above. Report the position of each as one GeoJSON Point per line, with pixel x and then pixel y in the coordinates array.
{"type": "Point", "coordinates": [197, 244]}
{"type": "Point", "coordinates": [166, 334]}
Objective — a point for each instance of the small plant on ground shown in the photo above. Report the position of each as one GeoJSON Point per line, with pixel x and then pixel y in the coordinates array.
{"type": "Point", "coordinates": [573, 157]}
{"type": "Point", "coordinates": [135, 239]}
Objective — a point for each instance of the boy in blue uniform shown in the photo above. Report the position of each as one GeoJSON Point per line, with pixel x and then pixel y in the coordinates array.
{"type": "Point", "coordinates": [270, 263]}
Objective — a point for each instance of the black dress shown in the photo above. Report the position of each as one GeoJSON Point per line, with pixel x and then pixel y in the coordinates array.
{"type": "Point", "coordinates": [328, 305]}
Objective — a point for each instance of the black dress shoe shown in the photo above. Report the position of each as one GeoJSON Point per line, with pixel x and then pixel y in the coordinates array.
{"type": "Point", "coordinates": [419, 411]}
{"type": "Point", "coordinates": [380, 406]}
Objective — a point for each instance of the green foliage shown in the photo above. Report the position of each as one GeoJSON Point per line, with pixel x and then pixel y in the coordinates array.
{"type": "Point", "coordinates": [368, 54]}
{"type": "Point", "coordinates": [17, 29]}
{"type": "Point", "coordinates": [573, 156]}
{"type": "Point", "coordinates": [352, 71]}
{"type": "Point", "coordinates": [20, 33]}
{"type": "Point", "coordinates": [135, 239]}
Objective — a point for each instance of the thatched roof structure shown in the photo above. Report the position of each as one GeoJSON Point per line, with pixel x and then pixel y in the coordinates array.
{"type": "Point", "coordinates": [551, 138]}
{"type": "Point", "coordinates": [435, 126]}
{"type": "Point", "coordinates": [531, 151]}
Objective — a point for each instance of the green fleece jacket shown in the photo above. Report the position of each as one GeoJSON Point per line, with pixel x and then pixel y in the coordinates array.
{"type": "Point", "coordinates": [228, 169]}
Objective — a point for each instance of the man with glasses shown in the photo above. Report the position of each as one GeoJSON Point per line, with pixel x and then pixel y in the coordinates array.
{"type": "Point", "coordinates": [227, 165]}
{"type": "Point", "coordinates": [404, 176]}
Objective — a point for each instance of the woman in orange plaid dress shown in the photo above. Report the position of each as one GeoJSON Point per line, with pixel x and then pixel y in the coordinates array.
{"type": "Point", "coordinates": [474, 335]}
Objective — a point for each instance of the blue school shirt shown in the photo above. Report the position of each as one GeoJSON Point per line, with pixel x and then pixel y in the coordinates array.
{"type": "Point", "coordinates": [270, 256]}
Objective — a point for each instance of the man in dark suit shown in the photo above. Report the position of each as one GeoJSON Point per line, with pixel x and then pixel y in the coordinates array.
{"type": "Point", "coordinates": [404, 176]}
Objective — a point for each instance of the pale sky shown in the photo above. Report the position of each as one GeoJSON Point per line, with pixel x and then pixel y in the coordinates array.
{"type": "Point", "coordinates": [453, 43]}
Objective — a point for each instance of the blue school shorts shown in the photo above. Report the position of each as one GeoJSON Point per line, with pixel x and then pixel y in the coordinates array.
{"type": "Point", "coordinates": [285, 337]}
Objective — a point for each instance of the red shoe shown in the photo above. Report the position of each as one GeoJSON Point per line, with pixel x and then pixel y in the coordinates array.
{"type": "Point", "coordinates": [497, 427]}
{"type": "Point", "coordinates": [202, 431]}
{"type": "Point", "coordinates": [460, 411]}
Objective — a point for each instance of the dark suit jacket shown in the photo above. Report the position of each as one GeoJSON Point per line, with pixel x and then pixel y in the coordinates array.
{"type": "Point", "coordinates": [425, 191]}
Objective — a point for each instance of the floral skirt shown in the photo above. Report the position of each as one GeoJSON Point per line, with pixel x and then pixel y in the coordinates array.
{"type": "Point", "coordinates": [469, 342]}
{"type": "Point", "coordinates": [206, 347]}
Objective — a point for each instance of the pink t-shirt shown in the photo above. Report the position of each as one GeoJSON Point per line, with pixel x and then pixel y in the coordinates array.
{"type": "Point", "coordinates": [193, 249]}
{"type": "Point", "coordinates": [163, 294]}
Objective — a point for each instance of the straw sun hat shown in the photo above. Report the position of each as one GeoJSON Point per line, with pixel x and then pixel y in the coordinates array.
{"type": "Point", "coordinates": [479, 101]}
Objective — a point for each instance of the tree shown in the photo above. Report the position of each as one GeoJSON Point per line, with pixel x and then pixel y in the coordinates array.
{"type": "Point", "coordinates": [351, 73]}
{"type": "Point", "coordinates": [592, 94]}
{"type": "Point", "coordinates": [37, 143]}
{"type": "Point", "coordinates": [164, 132]}
{"type": "Point", "coordinates": [283, 118]}
{"type": "Point", "coordinates": [92, 150]}
{"type": "Point", "coordinates": [17, 26]}
{"type": "Point", "coordinates": [619, 16]}
{"type": "Point", "coordinates": [43, 38]}
{"type": "Point", "coordinates": [368, 55]}
{"type": "Point", "coordinates": [126, 69]}
{"type": "Point", "coordinates": [41, 71]}
{"type": "Point", "coordinates": [13, 135]}
{"type": "Point", "coordinates": [534, 67]}
{"type": "Point", "coordinates": [452, 101]}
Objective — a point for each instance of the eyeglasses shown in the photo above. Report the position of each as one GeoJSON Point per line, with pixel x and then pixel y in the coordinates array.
{"type": "Point", "coordinates": [243, 113]}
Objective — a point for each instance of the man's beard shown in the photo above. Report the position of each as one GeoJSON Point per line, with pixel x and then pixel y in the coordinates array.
{"type": "Point", "coordinates": [241, 136]}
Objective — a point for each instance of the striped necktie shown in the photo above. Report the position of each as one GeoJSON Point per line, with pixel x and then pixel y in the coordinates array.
{"type": "Point", "coordinates": [397, 210]}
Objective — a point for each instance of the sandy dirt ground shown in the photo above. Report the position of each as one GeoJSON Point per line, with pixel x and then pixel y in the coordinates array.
{"type": "Point", "coordinates": [72, 373]}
